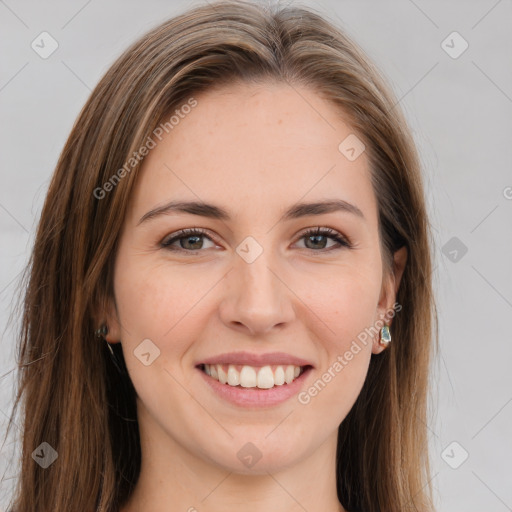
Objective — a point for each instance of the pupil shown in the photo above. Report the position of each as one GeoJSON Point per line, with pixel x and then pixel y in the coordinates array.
{"type": "Point", "coordinates": [193, 237]}
{"type": "Point", "coordinates": [316, 237]}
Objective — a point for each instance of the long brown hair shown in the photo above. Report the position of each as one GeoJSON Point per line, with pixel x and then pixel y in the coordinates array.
{"type": "Point", "coordinates": [73, 396]}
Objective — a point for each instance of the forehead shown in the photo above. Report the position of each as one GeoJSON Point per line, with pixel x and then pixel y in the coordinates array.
{"type": "Point", "coordinates": [255, 148]}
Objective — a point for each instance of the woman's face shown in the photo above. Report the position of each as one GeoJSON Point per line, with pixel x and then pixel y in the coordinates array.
{"type": "Point", "coordinates": [253, 289]}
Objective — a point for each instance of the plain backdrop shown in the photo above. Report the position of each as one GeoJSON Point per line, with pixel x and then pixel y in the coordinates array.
{"type": "Point", "coordinates": [458, 102]}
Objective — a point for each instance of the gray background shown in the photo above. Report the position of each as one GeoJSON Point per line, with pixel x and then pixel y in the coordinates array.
{"type": "Point", "coordinates": [460, 111]}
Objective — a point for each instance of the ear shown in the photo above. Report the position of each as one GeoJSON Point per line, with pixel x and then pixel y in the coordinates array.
{"type": "Point", "coordinates": [389, 290]}
{"type": "Point", "coordinates": [108, 315]}
{"type": "Point", "coordinates": [112, 321]}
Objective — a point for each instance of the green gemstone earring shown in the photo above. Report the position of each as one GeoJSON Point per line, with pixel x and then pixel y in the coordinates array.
{"type": "Point", "coordinates": [101, 332]}
{"type": "Point", "coordinates": [385, 336]}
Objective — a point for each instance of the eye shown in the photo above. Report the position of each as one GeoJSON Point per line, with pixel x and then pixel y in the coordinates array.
{"type": "Point", "coordinates": [315, 236]}
{"type": "Point", "coordinates": [192, 240]}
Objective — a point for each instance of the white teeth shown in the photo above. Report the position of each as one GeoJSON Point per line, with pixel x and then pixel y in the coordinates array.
{"type": "Point", "coordinates": [279, 376]}
{"type": "Point", "coordinates": [251, 377]}
{"type": "Point", "coordinates": [223, 378]}
{"type": "Point", "coordinates": [265, 378]}
{"type": "Point", "coordinates": [248, 377]}
{"type": "Point", "coordinates": [289, 374]}
{"type": "Point", "coordinates": [233, 376]}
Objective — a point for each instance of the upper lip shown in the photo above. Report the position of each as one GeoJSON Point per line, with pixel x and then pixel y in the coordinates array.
{"type": "Point", "coordinates": [271, 358]}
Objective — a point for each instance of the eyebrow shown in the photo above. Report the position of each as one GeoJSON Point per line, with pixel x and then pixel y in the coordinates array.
{"type": "Point", "coordinates": [216, 212]}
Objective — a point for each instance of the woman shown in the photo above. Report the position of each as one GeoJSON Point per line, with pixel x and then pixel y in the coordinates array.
{"type": "Point", "coordinates": [234, 232]}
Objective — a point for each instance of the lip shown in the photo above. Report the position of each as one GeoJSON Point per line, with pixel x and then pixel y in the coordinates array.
{"type": "Point", "coordinates": [250, 359]}
{"type": "Point", "coordinates": [256, 397]}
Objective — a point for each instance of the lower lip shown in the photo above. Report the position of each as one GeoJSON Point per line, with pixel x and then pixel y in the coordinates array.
{"type": "Point", "coordinates": [256, 397]}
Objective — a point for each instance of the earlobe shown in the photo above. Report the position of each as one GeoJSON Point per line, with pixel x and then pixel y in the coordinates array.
{"type": "Point", "coordinates": [113, 333]}
{"type": "Point", "coordinates": [109, 319]}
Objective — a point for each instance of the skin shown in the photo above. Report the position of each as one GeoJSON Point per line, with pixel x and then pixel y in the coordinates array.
{"type": "Point", "coordinates": [254, 150]}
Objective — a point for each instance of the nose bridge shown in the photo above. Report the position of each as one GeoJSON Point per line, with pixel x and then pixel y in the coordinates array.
{"type": "Point", "coordinates": [258, 297]}
{"type": "Point", "coordinates": [254, 269]}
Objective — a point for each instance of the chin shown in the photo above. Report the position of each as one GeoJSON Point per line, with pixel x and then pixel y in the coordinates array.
{"type": "Point", "coordinates": [257, 454]}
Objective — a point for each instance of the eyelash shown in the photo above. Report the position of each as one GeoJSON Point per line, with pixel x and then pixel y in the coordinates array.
{"type": "Point", "coordinates": [330, 233]}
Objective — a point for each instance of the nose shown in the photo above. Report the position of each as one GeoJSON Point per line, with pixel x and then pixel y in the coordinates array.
{"type": "Point", "coordinates": [257, 300]}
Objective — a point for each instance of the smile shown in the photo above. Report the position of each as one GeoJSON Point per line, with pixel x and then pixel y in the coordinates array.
{"type": "Point", "coordinates": [246, 376]}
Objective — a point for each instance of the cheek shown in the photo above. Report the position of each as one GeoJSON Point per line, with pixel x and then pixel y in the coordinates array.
{"type": "Point", "coordinates": [347, 308]}
{"type": "Point", "coordinates": [154, 303]}
{"type": "Point", "coordinates": [345, 304]}
{"type": "Point", "coordinates": [139, 300]}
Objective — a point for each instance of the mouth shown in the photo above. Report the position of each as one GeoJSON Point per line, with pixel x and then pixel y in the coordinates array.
{"type": "Point", "coordinates": [254, 377]}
